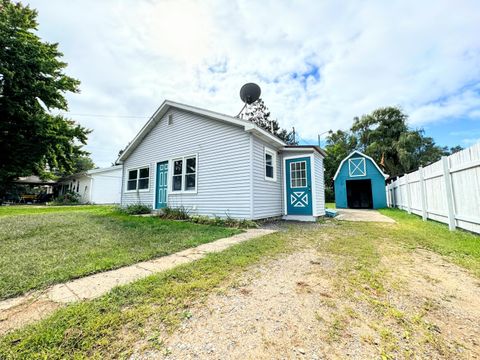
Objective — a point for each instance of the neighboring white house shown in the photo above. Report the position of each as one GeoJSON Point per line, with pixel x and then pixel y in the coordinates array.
{"type": "Point", "coordinates": [218, 165]}
{"type": "Point", "coordinates": [97, 186]}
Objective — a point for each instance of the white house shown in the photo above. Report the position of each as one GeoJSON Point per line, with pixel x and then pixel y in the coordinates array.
{"type": "Point", "coordinates": [97, 186]}
{"type": "Point", "coordinates": [219, 165]}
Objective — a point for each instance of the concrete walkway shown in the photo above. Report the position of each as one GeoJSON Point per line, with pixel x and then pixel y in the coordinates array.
{"type": "Point", "coordinates": [22, 310]}
{"type": "Point", "coordinates": [362, 215]}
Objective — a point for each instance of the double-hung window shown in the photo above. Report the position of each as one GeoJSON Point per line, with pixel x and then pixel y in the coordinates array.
{"type": "Point", "coordinates": [270, 165]}
{"type": "Point", "coordinates": [184, 174]}
{"type": "Point", "coordinates": [138, 179]}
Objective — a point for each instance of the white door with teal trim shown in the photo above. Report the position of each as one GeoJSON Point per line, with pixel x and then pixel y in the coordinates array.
{"type": "Point", "coordinates": [298, 186]}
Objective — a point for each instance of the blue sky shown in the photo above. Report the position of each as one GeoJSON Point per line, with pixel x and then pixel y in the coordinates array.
{"type": "Point", "coordinates": [319, 63]}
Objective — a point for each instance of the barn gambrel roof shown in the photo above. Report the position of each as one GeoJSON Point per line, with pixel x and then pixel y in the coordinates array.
{"type": "Point", "coordinates": [361, 154]}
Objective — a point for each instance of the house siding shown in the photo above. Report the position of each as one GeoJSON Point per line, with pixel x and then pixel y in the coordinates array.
{"type": "Point", "coordinates": [106, 187]}
{"type": "Point", "coordinates": [267, 195]}
{"type": "Point", "coordinates": [223, 168]}
{"type": "Point", "coordinates": [319, 185]}
{"type": "Point", "coordinates": [83, 188]}
{"type": "Point", "coordinates": [97, 187]}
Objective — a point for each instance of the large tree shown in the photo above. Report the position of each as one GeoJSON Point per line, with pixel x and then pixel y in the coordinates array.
{"type": "Point", "coordinates": [32, 84]}
{"type": "Point", "coordinates": [81, 164]}
{"type": "Point", "coordinates": [260, 115]}
{"type": "Point", "coordinates": [385, 136]}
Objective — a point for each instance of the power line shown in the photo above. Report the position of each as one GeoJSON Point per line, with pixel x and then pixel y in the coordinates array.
{"type": "Point", "coordinates": [106, 116]}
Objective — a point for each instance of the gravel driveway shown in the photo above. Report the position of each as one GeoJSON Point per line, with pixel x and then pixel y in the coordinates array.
{"type": "Point", "coordinates": [303, 306]}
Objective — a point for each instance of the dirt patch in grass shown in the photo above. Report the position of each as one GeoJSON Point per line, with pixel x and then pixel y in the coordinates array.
{"type": "Point", "coordinates": [445, 296]}
{"type": "Point", "coordinates": [336, 298]}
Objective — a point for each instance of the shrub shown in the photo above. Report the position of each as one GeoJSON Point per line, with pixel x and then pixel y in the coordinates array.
{"type": "Point", "coordinates": [135, 209]}
{"type": "Point", "coordinates": [180, 213]}
{"type": "Point", "coordinates": [329, 195]}
{"type": "Point", "coordinates": [228, 222]}
{"type": "Point", "coordinates": [69, 198]}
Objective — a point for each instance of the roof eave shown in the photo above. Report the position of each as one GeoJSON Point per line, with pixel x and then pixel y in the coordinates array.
{"type": "Point", "coordinates": [167, 104]}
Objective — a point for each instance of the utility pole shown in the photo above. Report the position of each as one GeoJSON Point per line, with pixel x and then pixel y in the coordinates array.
{"type": "Point", "coordinates": [320, 138]}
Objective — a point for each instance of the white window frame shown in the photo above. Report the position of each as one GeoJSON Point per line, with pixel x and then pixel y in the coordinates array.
{"type": "Point", "coordinates": [273, 153]}
{"type": "Point", "coordinates": [306, 174]}
{"type": "Point", "coordinates": [138, 173]}
{"type": "Point", "coordinates": [184, 174]}
{"type": "Point", "coordinates": [361, 166]}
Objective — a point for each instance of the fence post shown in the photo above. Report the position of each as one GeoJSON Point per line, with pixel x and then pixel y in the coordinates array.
{"type": "Point", "coordinates": [449, 193]}
{"type": "Point", "coordinates": [400, 198]}
{"type": "Point", "coordinates": [389, 202]}
{"type": "Point", "coordinates": [423, 194]}
{"type": "Point", "coordinates": [395, 197]}
{"type": "Point", "coordinates": [409, 196]}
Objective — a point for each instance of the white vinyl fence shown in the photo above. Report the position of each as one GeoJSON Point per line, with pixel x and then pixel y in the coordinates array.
{"type": "Point", "coordinates": [447, 191]}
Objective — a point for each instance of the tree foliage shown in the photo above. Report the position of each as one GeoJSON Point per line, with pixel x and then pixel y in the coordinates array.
{"type": "Point", "coordinates": [81, 164]}
{"type": "Point", "coordinates": [260, 115]}
{"type": "Point", "coordinates": [385, 136]}
{"type": "Point", "coordinates": [32, 83]}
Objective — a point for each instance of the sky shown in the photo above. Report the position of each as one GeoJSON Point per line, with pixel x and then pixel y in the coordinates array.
{"type": "Point", "coordinates": [319, 63]}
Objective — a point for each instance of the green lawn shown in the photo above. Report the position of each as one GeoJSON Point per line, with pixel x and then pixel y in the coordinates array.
{"type": "Point", "coordinates": [108, 326]}
{"type": "Point", "coordinates": [148, 309]}
{"type": "Point", "coordinates": [461, 247]}
{"type": "Point", "coordinates": [32, 209]}
{"type": "Point", "coordinates": [42, 246]}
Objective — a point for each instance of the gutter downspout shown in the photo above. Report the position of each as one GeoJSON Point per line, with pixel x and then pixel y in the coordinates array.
{"type": "Point", "coordinates": [121, 187]}
{"type": "Point", "coordinates": [251, 176]}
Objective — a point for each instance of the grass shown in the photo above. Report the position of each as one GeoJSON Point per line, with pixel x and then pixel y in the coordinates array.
{"type": "Point", "coordinates": [41, 209]}
{"type": "Point", "coordinates": [43, 246]}
{"type": "Point", "coordinates": [363, 279]}
{"type": "Point", "coordinates": [330, 205]}
{"type": "Point", "coordinates": [460, 247]}
{"type": "Point", "coordinates": [107, 327]}
{"type": "Point", "coordinates": [145, 312]}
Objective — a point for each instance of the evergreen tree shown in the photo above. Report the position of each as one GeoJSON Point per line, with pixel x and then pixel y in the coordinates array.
{"type": "Point", "coordinates": [259, 114]}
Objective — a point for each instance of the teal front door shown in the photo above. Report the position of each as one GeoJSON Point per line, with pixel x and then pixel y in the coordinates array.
{"type": "Point", "coordinates": [298, 186]}
{"type": "Point", "coordinates": [162, 181]}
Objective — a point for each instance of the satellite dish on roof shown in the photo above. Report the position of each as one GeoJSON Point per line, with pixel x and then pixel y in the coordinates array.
{"type": "Point", "coordinates": [249, 93]}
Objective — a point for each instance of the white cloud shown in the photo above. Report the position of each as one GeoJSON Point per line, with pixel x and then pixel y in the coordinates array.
{"type": "Point", "coordinates": [131, 55]}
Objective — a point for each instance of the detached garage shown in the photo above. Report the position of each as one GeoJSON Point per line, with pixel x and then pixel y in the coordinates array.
{"type": "Point", "coordinates": [360, 183]}
{"type": "Point", "coordinates": [97, 186]}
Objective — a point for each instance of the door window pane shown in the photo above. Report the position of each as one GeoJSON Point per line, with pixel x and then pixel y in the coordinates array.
{"type": "Point", "coordinates": [298, 174]}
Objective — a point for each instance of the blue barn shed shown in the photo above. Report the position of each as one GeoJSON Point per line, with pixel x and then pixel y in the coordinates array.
{"type": "Point", "coordinates": [360, 183]}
